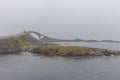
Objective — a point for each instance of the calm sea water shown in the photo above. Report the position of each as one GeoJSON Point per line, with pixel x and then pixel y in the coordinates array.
{"type": "Point", "coordinates": [114, 46]}
{"type": "Point", "coordinates": [28, 66]}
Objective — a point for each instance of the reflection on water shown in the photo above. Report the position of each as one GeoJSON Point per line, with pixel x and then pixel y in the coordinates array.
{"type": "Point", "coordinates": [27, 66]}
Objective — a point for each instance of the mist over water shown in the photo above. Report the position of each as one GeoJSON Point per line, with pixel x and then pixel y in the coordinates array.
{"type": "Point", "coordinates": [87, 19]}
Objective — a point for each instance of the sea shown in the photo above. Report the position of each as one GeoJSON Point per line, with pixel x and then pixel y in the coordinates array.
{"type": "Point", "coordinates": [30, 66]}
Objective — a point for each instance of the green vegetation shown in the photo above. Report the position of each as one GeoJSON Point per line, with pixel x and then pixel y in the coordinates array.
{"type": "Point", "coordinates": [56, 50]}
{"type": "Point", "coordinates": [73, 50]}
{"type": "Point", "coordinates": [63, 50]}
{"type": "Point", "coordinates": [20, 42]}
{"type": "Point", "coordinates": [47, 49]}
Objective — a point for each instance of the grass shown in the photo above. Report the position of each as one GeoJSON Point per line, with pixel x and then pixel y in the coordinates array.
{"type": "Point", "coordinates": [62, 50]}
{"type": "Point", "coordinates": [20, 42]}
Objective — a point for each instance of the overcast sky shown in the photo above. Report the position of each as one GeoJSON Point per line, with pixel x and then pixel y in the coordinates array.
{"type": "Point", "coordinates": [87, 19]}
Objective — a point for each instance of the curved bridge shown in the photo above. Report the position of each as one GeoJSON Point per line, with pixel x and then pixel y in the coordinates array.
{"type": "Point", "coordinates": [41, 36]}
{"type": "Point", "coordinates": [46, 38]}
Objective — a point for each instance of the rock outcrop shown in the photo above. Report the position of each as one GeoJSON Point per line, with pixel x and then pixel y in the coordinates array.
{"type": "Point", "coordinates": [73, 51]}
{"type": "Point", "coordinates": [15, 43]}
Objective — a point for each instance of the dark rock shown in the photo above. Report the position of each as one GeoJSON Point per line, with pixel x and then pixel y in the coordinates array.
{"type": "Point", "coordinates": [73, 51]}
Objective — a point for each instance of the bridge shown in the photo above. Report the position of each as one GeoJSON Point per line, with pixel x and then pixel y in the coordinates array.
{"type": "Point", "coordinates": [45, 38]}
{"type": "Point", "coordinates": [41, 36]}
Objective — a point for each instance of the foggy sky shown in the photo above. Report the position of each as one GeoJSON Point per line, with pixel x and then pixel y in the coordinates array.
{"type": "Point", "coordinates": [87, 19]}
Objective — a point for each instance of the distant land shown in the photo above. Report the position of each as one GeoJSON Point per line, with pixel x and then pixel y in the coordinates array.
{"type": "Point", "coordinates": [49, 39]}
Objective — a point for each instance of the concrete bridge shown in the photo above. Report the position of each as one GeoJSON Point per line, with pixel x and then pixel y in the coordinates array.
{"type": "Point", "coordinates": [45, 38]}
{"type": "Point", "coordinates": [42, 37]}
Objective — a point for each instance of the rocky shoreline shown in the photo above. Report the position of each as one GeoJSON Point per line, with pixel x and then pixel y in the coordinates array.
{"type": "Point", "coordinates": [55, 50]}
{"type": "Point", "coordinates": [26, 42]}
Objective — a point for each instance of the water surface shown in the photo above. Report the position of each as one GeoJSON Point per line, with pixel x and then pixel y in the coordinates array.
{"type": "Point", "coordinates": [28, 66]}
{"type": "Point", "coordinates": [106, 45]}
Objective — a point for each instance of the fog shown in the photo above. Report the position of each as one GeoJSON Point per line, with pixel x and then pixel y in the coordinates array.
{"type": "Point", "coordinates": [86, 19]}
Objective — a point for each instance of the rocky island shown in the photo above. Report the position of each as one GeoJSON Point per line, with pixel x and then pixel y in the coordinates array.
{"type": "Point", "coordinates": [55, 50]}
{"type": "Point", "coordinates": [26, 42]}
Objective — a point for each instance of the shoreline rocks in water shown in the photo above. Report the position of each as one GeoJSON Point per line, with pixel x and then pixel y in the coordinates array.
{"type": "Point", "coordinates": [56, 50]}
